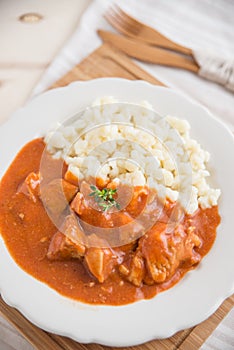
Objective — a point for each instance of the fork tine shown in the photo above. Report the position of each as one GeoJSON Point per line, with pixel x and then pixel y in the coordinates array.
{"type": "Point", "coordinates": [127, 18]}
{"type": "Point", "coordinates": [113, 21]}
{"type": "Point", "coordinates": [131, 27]}
{"type": "Point", "coordinates": [119, 23]}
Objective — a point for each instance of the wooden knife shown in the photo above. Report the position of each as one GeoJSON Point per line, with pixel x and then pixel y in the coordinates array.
{"type": "Point", "coordinates": [147, 53]}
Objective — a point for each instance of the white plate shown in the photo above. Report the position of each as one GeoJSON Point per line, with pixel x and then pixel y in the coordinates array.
{"type": "Point", "coordinates": [194, 298]}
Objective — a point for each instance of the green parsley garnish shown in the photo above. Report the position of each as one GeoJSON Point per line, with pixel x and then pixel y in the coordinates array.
{"type": "Point", "coordinates": [104, 198]}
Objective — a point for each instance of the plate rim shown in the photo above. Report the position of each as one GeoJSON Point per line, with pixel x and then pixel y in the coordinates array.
{"type": "Point", "coordinates": [107, 340]}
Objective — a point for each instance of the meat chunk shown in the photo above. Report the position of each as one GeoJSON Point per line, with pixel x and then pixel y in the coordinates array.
{"type": "Point", "coordinates": [153, 211]}
{"type": "Point", "coordinates": [70, 242]}
{"type": "Point", "coordinates": [138, 201]}
{"type": "Point", "coordinates": [130, 232]}
{"type": "Point", "coordinates": [71, 178]}
{"type": "Point", "coordinates": [100, 258]}
{"type": "Point", "coordinates": [78, 204]}
{"type": "Point", "coordinates": [133, 269]}
{"type": "Point", "coordinates": [57, 194]}
{"type": "Point", "coordinates": [31, 186]}
{"type": "Point", "coordinates": [100, 262]}
{"type": "Point", "coordinates": [85, 206]}
{"type": "Point", "coordinates": [120, 227]}
{"type": "Point", "coordinates": [154, 248]}
{"type": "Point", "coordinates": [186, 254]}
{"type": "Point", "coordinates": [164, 251]}
{"type": "Point", "coordinates": [91, 215]}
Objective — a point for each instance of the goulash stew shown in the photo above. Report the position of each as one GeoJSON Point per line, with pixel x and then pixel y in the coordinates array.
{"type": "Point", "coordinates": [58, 230]}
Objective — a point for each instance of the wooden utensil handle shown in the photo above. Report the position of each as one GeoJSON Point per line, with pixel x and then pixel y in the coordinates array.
{"type": "Point", "coordinates": [148, 53]}
{"type": "Point", "coordinates": [157, 39]}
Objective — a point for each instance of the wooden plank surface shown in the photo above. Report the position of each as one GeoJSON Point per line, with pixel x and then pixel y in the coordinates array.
{"type": "Point", "coordinates": [107, 62]}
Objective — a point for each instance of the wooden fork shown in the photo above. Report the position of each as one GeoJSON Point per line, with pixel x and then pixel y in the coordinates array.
{"type": "Point", "coordinates": [133, 28]}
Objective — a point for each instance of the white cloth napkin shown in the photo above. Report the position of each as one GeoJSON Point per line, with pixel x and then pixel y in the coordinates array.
{"type": "Point", "coordinates": [223, 336]}
{"type": "Point", "coordinates": [199, 24]}
{"type": "Point", "coordinates": [216, 67]}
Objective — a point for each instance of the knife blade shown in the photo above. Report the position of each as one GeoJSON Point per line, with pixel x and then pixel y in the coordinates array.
{"type": "Point", "coordinates": [147, 53]}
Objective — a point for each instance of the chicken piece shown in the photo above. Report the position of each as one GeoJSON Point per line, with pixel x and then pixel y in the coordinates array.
{"type": "Point", "coordinates": [112, 184]}
{"type": "Point", "coordinates": [100, 258]}
{"type": "Point", "coordinates": [69, 242]}
{"type": "Point", "coordinates": [126, 248]}
{"type": "Point", "coordinates": [154, 248]}
{"type": "Point", "coordinates": [152, 212]}
{"type": "Point", "coordinates": [173, 211]}
{"type": "Point", "coordinates": [78, 204]}
{"type": "Point", "coordinates": [138, 201]}
{"type": "Point", "coordinates": [100, 262]}
{"type": "Point", "coordinates": [101, 183]}
{"type": "Point", "coordinates": [117, 227]}
{"type": "Point", "coordinates": [133, 269]}
{"type": "Point", "coordinates": [83, 204]}
{"type": "Point", "coordinates": [57, 194]}
{"type": "Point", "coordinates": [130, 232]}
{"type": "Point", "coordinates": [186, 254]}
{"type": "Point", "coordinates": [90, 214]}
{"type": "Point", "coordinates": [164, 251]}
{"type": "Point", "coordinates": [31, 186]}
{"type": "Point", "coordinates": [71, 178]}
{"type": "Point", "coordinates": [87, 208]}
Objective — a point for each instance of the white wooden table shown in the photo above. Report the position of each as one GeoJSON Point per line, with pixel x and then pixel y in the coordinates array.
{"type": "Point", "coordinates": [31, 34]}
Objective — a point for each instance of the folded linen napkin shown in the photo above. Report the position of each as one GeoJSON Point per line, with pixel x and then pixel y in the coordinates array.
{"type": "Point", "coordinates": [219, 69]}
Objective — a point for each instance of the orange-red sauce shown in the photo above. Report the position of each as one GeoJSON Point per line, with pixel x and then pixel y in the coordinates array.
{"type": "Point", "coordinates": [27, 231]}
